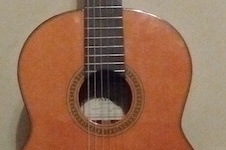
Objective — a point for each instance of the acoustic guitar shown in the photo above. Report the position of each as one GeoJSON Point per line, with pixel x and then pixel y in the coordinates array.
{"type": "Point", "coordinates": [105, 78]}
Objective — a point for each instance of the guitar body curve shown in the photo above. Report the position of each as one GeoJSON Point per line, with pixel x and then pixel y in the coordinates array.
{"type": "Point", "coordinates": [153, 50]}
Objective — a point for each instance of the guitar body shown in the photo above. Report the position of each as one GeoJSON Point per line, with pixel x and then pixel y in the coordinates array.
{"type": "Point", "coordinates": [154, 51]}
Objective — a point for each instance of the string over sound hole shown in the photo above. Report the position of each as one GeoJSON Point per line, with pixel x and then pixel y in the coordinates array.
{"type": "Point", "coordinates": [105, 97]}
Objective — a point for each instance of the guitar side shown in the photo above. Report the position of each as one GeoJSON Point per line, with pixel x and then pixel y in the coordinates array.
{"type": "Point", "coordinates": [153, 50]}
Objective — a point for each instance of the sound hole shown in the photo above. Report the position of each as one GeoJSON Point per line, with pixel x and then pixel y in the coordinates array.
{"type": "Point", "coordinates": [105, 97]}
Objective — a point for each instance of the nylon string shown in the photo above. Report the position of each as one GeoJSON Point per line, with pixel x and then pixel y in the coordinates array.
{"type": "Point", "coordinates": [101, 68]}
{"type": "Point", "coordinates": [88, 70]}
{"type": "Point", "coordinates": [108, 69]}
{"type": "Point", "coordinates": [95, 69]}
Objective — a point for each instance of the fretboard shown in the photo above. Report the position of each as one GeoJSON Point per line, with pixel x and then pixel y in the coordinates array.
{"type": "Point", "coordinates": [104, 48]}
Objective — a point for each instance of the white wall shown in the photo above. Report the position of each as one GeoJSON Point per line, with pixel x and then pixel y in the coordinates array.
{"type": "Point", "coordinates": [202, 23]}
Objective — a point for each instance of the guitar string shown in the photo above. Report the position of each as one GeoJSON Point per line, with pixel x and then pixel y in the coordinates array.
{"type": "Point", "coordinates": [113, 79]}
{"type": "Point", "coordinates": [101, 72]}
{"type": "Point", "coordinates": [121, 84]}
{"type": "Point", "coordinates": [88, 67]}
{"type": "Point", "coordinates": [108, 74]}
{"type": "Point", "coordinates": [88, 71]}
{"type": "Point", "coordinates": [95, 73]}
{"type": "Point", "coordinates": [113, 89]}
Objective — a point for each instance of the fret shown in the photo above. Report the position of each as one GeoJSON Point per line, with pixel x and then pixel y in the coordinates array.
{"type": "Point", "coordinates": [92, 3]}
{"type": "Point", "coordinates": [103, 22]}
{"type": "Point", "coordinates": [102, 28]}
{"type": "Point", "coordinates": [104, 33]}
{"type": "Point", "coordinates": [104, 37]}
{"type": "Point", "coordinates": [105, 55]}
{"type": "Point", "coordinates": [97, 51]}
{"type": "Point", "coordinates": [104, 67]}
{"type": "Point", "coordinates": [106, 63]}
{"type": "Point", "coordinates": [120, 71]}
{"type": "Point", "coordinates": [110, 12]}
{"type": "Point", "coordinates": [109, 46]}
{"type": "Point", "coordinates": [90, 71]}
{"type": "Point", "coordinates": [94, 71]}
{"type": "Point", "coordinates": [103, 42]}
{"type": "Point", "coordinates": [100, 18]}
{"type": "Point", "coordinates": [106, 59]}
{"type": "Point", "coordinates": [103, 7]}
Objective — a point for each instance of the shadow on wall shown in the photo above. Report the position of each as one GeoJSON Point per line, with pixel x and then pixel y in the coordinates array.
{"type": "Point", "coordinates": [23, 129]}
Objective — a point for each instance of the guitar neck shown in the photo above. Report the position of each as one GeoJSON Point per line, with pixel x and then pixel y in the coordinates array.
{"type": "Point", "coordinates": [104, 47]}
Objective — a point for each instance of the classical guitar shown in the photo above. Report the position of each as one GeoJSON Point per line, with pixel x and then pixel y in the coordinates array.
{"type": "Point", "coordinates": [105, 78]}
